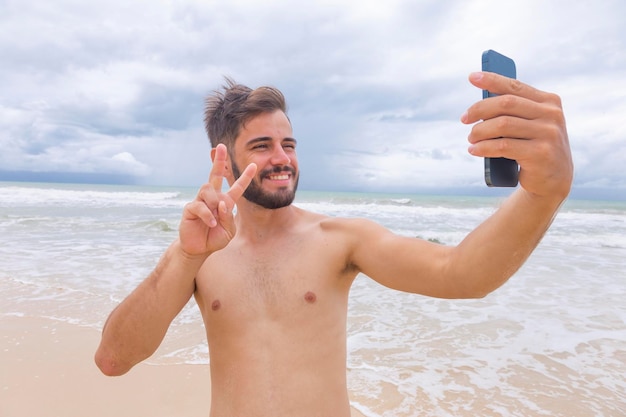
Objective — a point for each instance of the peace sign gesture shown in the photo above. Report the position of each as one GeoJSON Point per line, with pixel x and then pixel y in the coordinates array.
{"type": "Point", "coordinates": [207, 224]}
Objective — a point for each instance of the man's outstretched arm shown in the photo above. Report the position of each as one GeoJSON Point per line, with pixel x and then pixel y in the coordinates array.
{"type": "Point", "coordinates": [524, 124]}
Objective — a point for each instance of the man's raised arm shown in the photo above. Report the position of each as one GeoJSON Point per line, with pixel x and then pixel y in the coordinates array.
{"type": "Point", "coordinates": [137, 326]}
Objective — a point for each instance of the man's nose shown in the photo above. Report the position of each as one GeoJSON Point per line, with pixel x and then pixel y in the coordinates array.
{"type": "Point", "coordinates": [280, 157]}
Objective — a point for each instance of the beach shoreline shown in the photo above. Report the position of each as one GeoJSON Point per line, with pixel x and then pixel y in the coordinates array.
{"type": "Point", "coordinates": [48, 370]}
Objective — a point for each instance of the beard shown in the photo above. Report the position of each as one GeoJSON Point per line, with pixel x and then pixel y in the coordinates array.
{"type": "Point", "coordinates": [255, 194]}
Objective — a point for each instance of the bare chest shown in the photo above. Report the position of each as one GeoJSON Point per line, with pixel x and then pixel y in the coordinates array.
{"type": "Point", "coordinates": [264, 283]}
{"type": "Point", "coordinates": [281, 282]}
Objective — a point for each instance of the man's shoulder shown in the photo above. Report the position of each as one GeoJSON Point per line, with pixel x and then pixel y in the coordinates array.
{"type": "Point", "coordinates": [345, 229]}
{"type": "Point", "coordinates": [329, 223]}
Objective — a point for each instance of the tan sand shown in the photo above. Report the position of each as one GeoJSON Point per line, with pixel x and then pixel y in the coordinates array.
{"type": "Point", "coordinates": [47, 369]}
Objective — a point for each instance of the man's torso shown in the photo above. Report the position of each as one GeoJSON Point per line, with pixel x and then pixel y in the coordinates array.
{"type": "Point", "coordinates": [275, 311]}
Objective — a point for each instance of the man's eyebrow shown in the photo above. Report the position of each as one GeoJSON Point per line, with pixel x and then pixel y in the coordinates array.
{"type": "Point", "coordinates": [259, 139]}
{"type": "Point", "coordinates": [268, 139]}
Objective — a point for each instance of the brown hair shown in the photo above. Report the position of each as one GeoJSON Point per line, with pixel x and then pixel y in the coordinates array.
{"type": "Point", "coordinates": [229, 109]}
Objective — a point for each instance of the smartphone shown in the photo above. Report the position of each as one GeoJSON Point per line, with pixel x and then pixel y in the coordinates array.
{"type": "Point", "coordinates": [499, 172]}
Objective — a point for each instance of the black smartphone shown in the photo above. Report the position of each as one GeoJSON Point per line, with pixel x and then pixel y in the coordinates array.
{"type": "Point", "coordinates": [499, 172]}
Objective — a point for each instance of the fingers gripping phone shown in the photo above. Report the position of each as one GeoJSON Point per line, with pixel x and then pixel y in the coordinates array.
{"type": "Point", "coordinates": [499, 172]}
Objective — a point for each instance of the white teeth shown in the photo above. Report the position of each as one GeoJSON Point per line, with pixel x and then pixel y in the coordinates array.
{"type": "Point", "coordinates": [279, 177]}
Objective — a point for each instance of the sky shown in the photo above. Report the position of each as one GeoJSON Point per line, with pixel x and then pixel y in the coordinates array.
{"type": "Point", "coordinates": [114, 91]}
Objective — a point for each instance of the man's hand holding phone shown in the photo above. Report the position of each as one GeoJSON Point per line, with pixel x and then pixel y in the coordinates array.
{"type": "Point", "coordinates": [526, 125]}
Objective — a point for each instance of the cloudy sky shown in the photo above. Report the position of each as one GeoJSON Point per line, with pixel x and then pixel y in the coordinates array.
{"type": "Point", "coordinates": [113, 91]}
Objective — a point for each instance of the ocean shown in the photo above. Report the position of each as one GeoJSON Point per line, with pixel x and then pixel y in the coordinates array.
{"type": "Point", "coordinates": [550, 342]}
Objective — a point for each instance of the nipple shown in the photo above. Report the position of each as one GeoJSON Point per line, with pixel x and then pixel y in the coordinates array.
{"type": "Point", "coordinates": [310, 297]}
{"type": "Point", "coordinates": [216, 305]}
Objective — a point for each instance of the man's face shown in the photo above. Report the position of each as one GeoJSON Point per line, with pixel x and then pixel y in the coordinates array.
{"type": "Point", "coordinates": [267, 140]}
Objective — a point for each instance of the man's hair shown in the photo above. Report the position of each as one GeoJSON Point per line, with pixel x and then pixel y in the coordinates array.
{"type": "Point", "coordinates": [229, 109]}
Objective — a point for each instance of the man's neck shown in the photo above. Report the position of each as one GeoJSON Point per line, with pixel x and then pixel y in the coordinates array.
{"type": "Point", "coordinates": [257, 223]}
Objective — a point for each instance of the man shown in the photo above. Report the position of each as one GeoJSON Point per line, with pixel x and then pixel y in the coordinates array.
{"type": "Point", "coordinates": [272, 281]}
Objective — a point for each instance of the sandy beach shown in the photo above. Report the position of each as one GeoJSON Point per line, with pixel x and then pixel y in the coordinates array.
{"type": "Point", "coordinates": [48, 370]}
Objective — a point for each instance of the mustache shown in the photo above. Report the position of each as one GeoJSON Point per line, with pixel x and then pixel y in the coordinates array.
{"type": "Point", "coordinates": [277, 170]}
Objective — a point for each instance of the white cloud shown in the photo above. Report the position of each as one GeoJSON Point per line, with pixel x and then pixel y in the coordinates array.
{"type": "Point", "coordinates": [128, 163]}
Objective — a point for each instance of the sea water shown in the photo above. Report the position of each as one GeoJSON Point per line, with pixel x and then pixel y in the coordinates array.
{"type": "Point", "coordinates": [550, 342]}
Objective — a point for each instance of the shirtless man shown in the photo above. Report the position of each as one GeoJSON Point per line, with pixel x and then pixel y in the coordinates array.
{"type": "Point", "coordinates": [272, 280]}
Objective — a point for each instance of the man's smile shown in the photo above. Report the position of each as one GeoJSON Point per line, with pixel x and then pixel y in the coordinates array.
{"type": "Point", "coordinates": [284, 173]}
{"type": "Point", "coordinates": [279, 177]}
